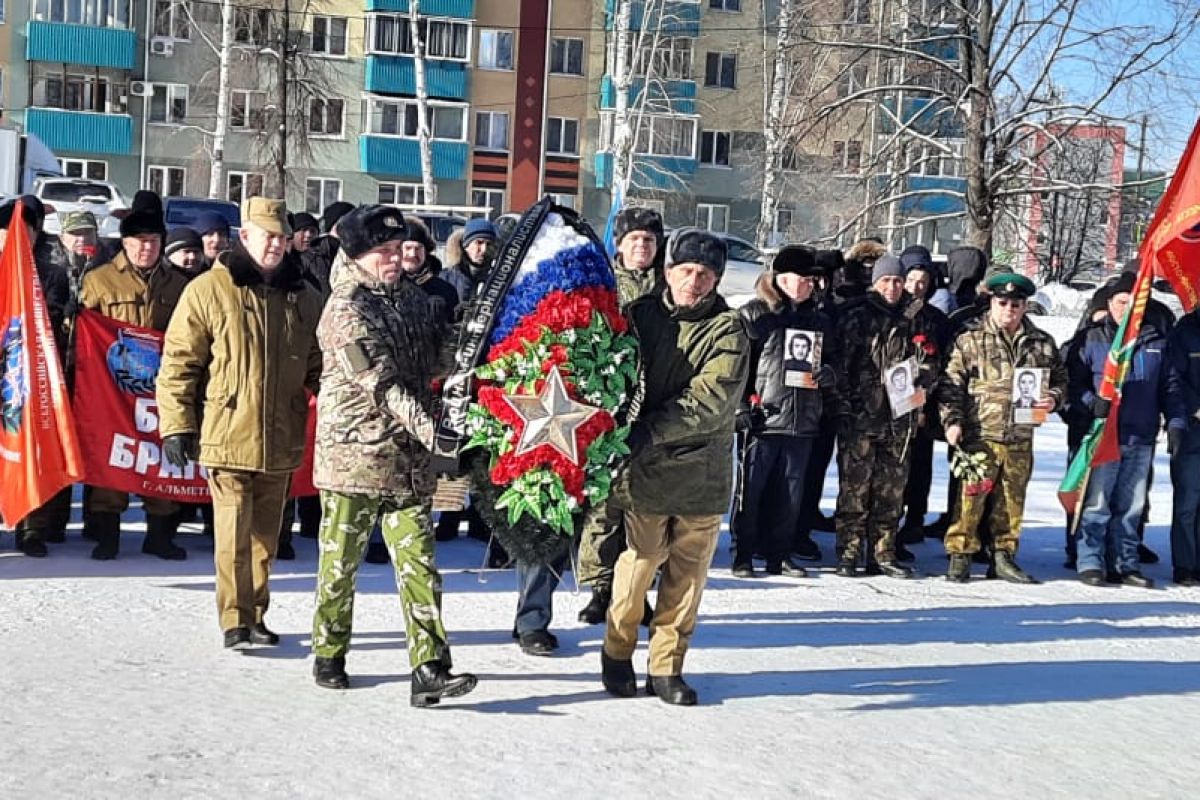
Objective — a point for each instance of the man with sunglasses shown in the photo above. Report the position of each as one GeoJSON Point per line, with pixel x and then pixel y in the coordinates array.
{"type": "Point", "coordinates": [975, 401]}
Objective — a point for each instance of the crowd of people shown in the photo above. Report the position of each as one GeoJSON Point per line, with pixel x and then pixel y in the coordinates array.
{"type": "Point", "coordinates": [870, 355]}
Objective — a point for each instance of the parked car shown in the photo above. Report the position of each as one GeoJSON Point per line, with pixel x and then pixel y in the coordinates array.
{"type": "Point", "coordinates": [62, 196]}
{"type": "Point", "coordinates": [181, 212]}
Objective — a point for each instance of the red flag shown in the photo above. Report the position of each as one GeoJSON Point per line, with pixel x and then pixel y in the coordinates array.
{"type": "Point", "coordinates": [1172, 243]}
{"type": "Point", "coordinates": [39, 453]}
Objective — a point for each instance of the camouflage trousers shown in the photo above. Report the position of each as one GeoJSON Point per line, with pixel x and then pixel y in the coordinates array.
{"type": "Point", "coordinates": [872, 475]}
{"type": "Point", "coordinates": [1009, 469]}
{"type": "Point", "coordinates": [601, 542]}
{"type": "Point", "coordinates": [346, 524]}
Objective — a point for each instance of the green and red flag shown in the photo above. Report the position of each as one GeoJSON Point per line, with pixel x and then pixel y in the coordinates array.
{"type": "Point", "coordinates": [1172, 249]}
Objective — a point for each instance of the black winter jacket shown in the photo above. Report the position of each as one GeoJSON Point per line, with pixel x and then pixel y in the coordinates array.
{"type": "Point", "coordinates": [789, 411]}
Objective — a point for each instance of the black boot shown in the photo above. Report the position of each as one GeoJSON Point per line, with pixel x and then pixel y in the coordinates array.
{"type": "Point", "coordinates": [261, 634]}
{"type": "Point", "coordinates": [847, 568]}
{"type": "Point", "coordinates": [432, 681]}
{"type": "Point", "coordinates": [904, 555]}
{"type": "Point", "coordinates": [1007, 569]}
{"type": "Point", "coordinates": [330, 673]}
{"type": "Point", "coordinates": [1146, 555]}
{"type": "Point", "coordinates": [960, 569]}
{"type": "Point", "coordinates": [597, 608]}
{"type": "Point", "coordinates": [160, 532]}
{"type": "Point", "coordinates": [55, 535]}
{"type": "Point", "coordinates": [618, 676]}
{"type": "Point", "coordinates": [894, 569]}
{"type": "Point", "coordinates": [107, 528]}
{"type": "Point", "coordinates": [672, 690]}
{"type": "Point", "coordinates": [806, 549]}
{"type": "Point", "coordinates": [32, 542]}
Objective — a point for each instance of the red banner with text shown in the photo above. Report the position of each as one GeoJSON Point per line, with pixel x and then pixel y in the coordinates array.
{"type": "Point", "coordinates": [116, 414]}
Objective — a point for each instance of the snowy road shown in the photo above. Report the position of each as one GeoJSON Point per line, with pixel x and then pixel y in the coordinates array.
{"type": "Point", "coordinates": [115, 685]}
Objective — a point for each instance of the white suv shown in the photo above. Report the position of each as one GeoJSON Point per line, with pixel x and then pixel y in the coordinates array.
{"type": "Point", "coordinates": [65, 195]}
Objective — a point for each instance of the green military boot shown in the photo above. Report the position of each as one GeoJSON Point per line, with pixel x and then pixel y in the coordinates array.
{"type": "Point", "coordinates": [960, 569]}
{"type": "Point", "coordinates": [1007, 569]}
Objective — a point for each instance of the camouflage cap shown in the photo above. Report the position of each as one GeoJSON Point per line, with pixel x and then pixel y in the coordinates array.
{"type": "Point", "coordinates": [79, 222]}
{"type": "Point", "coordinates": [268, 214]}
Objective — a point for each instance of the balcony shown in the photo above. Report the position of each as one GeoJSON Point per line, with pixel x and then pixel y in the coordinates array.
{"type": "Point", "coordinates": [81, 131]}
{"type": "Point", "coordinates": [446, 80]}
{"type": "Point", "coordinates": [458, 9]}
{"type": "Point", "coordinates": [927, 205]}
{"type": "Point", "coordinates": [678, 97]}
{"type": "Point", "coordinates": [670, 18]}
{"type": "Point", "coordinates": [926, 115]}
{"type": "Point", "coordinates": [60, 43]}
{"type": "Point", "coordinates": [401, 158]}
{"type": "Point", "coordinates": [666, 173]}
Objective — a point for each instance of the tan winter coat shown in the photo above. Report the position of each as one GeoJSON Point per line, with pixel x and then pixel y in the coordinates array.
{"type": "Point", "coordinates": [238, 355]}
{"type": "Point", "coordinates": [120, 291]}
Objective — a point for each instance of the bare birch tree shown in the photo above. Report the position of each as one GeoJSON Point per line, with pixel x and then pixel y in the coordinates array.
{"type": "Point", "coordinates": [424, 134]}
{"type": "Point", "coordinates": [978, 75]}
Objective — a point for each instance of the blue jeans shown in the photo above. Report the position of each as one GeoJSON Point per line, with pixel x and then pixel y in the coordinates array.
{"type": "Point", "coordinates": [536, 584]}
{"type": "Point", "coordinates": [1112, 509]}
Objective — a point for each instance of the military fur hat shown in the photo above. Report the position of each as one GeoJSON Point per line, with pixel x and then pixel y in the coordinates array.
{"type": "Point", "coordinates": [145, 215]}
{"type": "Point", "coordinates": [696, 246]}
{"type": "Point", "coordinates": [866, 250]}
{"type": "Point", "coordinates": [370, 226]}
{"type": "Point", "coordinates": [638, 219]}
{"type": "Point", "coordinates": [797, 259]}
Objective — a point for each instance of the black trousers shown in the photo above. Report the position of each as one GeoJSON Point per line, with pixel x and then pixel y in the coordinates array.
{"type": "Point", "coordinates": [920, 479]}
{"type": "Point", "coordinates": [772, 497]}
{"type": "Point", "coordinates": [814, 478]}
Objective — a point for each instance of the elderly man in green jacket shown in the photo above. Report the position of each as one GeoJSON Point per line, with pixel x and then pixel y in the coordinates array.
{"type": "Point", "coordinates": [695, 358]}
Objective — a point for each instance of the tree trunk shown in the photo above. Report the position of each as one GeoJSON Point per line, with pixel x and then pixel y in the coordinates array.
{"type": "Point", "coordinates": [773, 159]}
{"type": "Point", "coordinates": [216, 173]}
{"type": "Point", "coordinates": [424, 136]}
{"type": "Point", "coordinates": [284, 91]}
{"type": "Point", "coordinates": [981, 211]}
{"type": "Point", "coordinates": [622, 142]}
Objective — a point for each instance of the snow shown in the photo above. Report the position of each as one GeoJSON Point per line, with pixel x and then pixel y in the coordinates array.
{"type": "Point", "coordinates": [115, 684]}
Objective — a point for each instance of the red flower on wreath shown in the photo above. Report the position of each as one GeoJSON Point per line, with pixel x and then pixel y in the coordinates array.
{"type": "Point", "coordinates": [558, 311]}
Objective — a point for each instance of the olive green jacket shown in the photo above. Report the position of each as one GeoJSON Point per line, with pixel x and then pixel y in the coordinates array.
{"type": "Point", "coordinates": [694, 364]}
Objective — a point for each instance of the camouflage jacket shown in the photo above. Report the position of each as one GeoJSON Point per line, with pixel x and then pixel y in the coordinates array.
{"type": "Point", "coordinates": [874, 336]}
{"type": "Point", "coordinates": [976, 389]}
{"type": "Point", "coordinates": [381, 350]}
{"type": "Point", "coordinates": [633, 283]}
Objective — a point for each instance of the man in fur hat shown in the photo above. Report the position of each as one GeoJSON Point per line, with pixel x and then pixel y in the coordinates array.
{"type": "Point", "coordinates": [781, 409]}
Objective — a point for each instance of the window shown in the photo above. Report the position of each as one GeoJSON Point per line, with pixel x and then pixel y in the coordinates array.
{"type": "Point", "coordinates": [564, 200]}
{"type": "Point", "coordinates": [329, 35]}
{"type": "Point", "coordinates": [725, 5]}
{"type": "Point", "coordinates": [495, 50]}
{"type": "Point", "coordinates": [857, 12]}
{"type": "Point", "coordinates": [84, 168]}
{"type": "Point", "coordinates": [326, 117]}
{"type": "Point", "coordinates": [489, 198]}
{"type": "Point", "coordinates": [669, 58]}
{"type": "Point", "coordinates": [240, 186]}
{"type": "Point", "coordinates": [446, 39]}
{"type": "Point", "coordinates": [712, 217]}
{"type": "Point", "coordinates": [399, 118]}
{"type": "Point", "coordinates": [491, 130]}
{"type": "Point", "coordinates": [852, 79]}
{"type": "Point", "coordinates": [653, 205]}
{"type": "Point", "coordinates": [847, 155]}
{"type": "Point", "coordinates": [251, 26]}
{"type": "Point", "coordinates": [166, 181]}
{"type": "Point", "coordinates": [246, 110]}
{"type": "Point", "coordinates": [656, 135]}
{"type": "Point", "coordinates": [720, 70]}
{"type": "Point", "coordinates": [783, 221]}
{"type": "Point", "coordinates": [321, 192]}
{"type": "Point", "coordinates": [169, 103]}
{"type": "Point", "coordinates": [171, 20]}
{"type": "Point", "coordinates": [562, 136]}
{"type": "Point", "coordinates": [714, 148]}
{"type": "Point", "coordinates": [566, 56]}
{"type": "Point", "coordinates": [401, 194]}
{"type": "Point", "coordinates": [99, 13]}
{"type": "Point", "coordinates": [78, 93]}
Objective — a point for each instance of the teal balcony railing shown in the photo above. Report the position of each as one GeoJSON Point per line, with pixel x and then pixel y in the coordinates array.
{"type": "Point", "coordinates": [81, 131]}
{"type": "Point", "coordinates": [395, 75]}
{"type": "Point", "coordinates": [60, 43]}
{"type": "Point", "coordinates": [401, 158]}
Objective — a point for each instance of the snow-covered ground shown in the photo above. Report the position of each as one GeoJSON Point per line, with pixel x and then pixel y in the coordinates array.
{"type": "Point", "coordinates": [114, 684]}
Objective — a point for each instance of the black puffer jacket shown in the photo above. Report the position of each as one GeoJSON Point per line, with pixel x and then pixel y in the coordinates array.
{"type": "Point", "coordinates": [789, 411]}
{"type": "Point", "coordinates": [966, 267]}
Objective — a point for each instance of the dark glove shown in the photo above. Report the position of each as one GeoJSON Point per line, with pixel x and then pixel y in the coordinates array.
{"type": "Point", "coordinates": [71, 308]}
{"type": "Point", "coordinates": [1100, 407]}
{"type": "Point", "coordinates": [179, 448]}
{"type": "Point", "coordinates": [1174, 440]}
{"type": "Point", "coordinates": [923, 380]}
{"type": "Point", "coordinates": [826, 377]}
{"type": "Point", "coordinates": [639, 439]}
